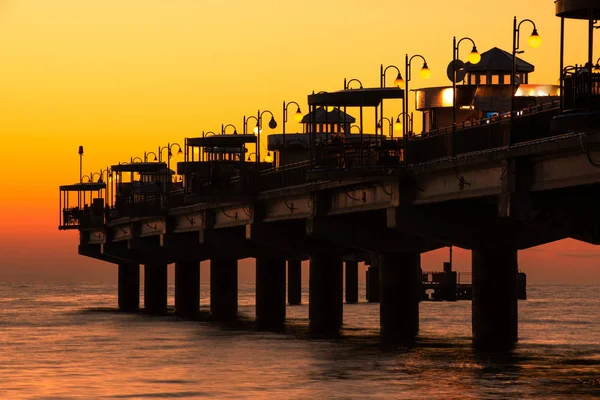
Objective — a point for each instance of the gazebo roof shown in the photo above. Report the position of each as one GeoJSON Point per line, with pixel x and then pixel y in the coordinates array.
{"type": "Point", "coordinates": [498, 60]}
{"type": "Point", "coordinates": [321, 114]}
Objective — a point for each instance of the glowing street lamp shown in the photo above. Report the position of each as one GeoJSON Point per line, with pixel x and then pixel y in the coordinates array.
{"type": "Point", "coordinates": [535, 41]}
{"type": "Point", "coordinates": [258, 128]}
{"type": "Point", "coordinates": [474, 58]}
{"type": "Point", "coordinates": [224, 128]}
{"type": "Point", "coordinates": [398, 82]}
{"type": "Point", "coordinates": [425, 73]}
{"type": "Point", "coordinates": [380, 128]}
{"type": "Point", "coordinates": [169, 146]}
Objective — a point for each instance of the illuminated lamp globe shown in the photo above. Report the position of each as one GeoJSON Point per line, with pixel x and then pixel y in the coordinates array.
{"type": "Point", "coordinates": [399, 82]}
{"type": "Point", "coordinates": [257, 129]}
{"type": "Point", "coordinates": [179, 152]}
{"type": "Point", "coordinates": [398, 125]}
{"type": "Point", "coordinates": [596, 69]}
{"type": "Point", "coordinates": [269, 158]}
{"type": "Point", "coordinates": [330, 108]}
{"type": "Point", "coordinates": [535, 40]}
{"type": "Point", "coordinates": [474, 56]}
{"type": "Point", "coordinates": [272, 123]}
{"type": "Point", "coordinates": [379, 128]}
{"type": "Point", "coordinates": [298, 115]}
{"type": "Point", "coordinates": [425, 72]}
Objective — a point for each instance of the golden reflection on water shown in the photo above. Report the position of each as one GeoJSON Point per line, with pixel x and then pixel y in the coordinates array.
{"type": "Point", "coordinates": [54, 348]}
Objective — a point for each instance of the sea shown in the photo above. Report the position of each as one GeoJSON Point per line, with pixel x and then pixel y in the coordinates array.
{"type": "Point", "coordinates": [67, 341]}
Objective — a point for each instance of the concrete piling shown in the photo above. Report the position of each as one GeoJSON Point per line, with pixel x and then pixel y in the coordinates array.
{"type": "Point", "coordinates": [400, 275]}
{"type": "Point", "coordinates": [187, 288]}
{"type": "Point", "coordinates": [325, 311]}
{"type": "Point", "coordinates": [270, 293]}
{"type": "Point", "coordinates": [224, 288]}
{"type": "Point", "coordinates": [155, 288]}
{"type": "Point", "coordinates": [129, 287]}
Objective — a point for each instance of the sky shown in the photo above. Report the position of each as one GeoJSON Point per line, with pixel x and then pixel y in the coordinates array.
{"type": "Point", "coordinates": [121, 77]}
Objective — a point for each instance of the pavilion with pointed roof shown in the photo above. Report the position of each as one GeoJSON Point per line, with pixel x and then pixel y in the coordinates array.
{"type": "Point", "coordinates": [495, 68]}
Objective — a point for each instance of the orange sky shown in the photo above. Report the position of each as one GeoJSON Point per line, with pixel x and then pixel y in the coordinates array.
{"type": "Point", "coordinates": [123, 76]}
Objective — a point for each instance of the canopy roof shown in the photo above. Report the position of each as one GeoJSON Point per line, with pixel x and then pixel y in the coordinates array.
{"type": "Point", "coordinates": [83, 187]}
{"type": "Point", "coordinates": [140, 167]}
{"type": "Point", "coordinates": [221, 140]}
{"type": "Point", "coordinates": [578, 9]}
{"type": "Point", "coordinates": [368, 97]}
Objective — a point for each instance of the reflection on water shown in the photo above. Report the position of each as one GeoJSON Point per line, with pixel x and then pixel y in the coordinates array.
{"type": "Point", "coordinates": [65, 341]}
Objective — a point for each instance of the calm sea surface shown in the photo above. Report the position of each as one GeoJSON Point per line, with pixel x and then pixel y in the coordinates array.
{"type": "Point", "coordinates": [63, 341]}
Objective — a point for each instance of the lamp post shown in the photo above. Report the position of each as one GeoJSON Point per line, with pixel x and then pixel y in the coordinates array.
{"type": "Point", "coordinates": [390, 126]}
{"type": "Point", "coordinates": [224, 128]}
{"type": "Point", "coordinates": [348, 82]}
{"type": "Point", "coordinates": [169, 146]}
{"type": "Point", "coordinates": [474, 58]}
{"type": "Point", "coordinates": [398, 82]}
{"type": "Point", "coordinates": [108, 183]}
{"type": "Point", "coordinates": [147, 153]}
{"type": "Point", "coordinates": [80, 151]}
{"type": "Point", "coordinates": [298, 118]}
{"type": "Point", "coordinates": [399, 124]}
{"type": "Point", "coordinates": [258, 128]}
{"type": "Point", "coordinates": [425, 73]}
{"type": "Point", "coordinates": [534, 41]}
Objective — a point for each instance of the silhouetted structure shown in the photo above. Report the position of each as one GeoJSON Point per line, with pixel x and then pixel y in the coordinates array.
{"type": "Point", "coordinates": [494, 186]}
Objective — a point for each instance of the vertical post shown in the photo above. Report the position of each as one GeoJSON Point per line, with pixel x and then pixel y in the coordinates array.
{"type": "Point", "coordinates": [405, 109]}
{"type": "Point", "coordinates": [129, 287]}
{"type": "Point", "coordinates": [270, 293]}
{"type": "Point", "coordinates": [454, 58]}
{"type": "Point", "coordinates": [562, 64]}
{"type": "Point", "coordinates": [223, 288]}
{"type": "Point", "coordinates": [494, 304]}
{"type": "Point", "coordinates": [325, 309]}
{"type": "Point", "coordinates": [400, 275]}
{"type": "Point", "coordinates": [281, 153]}
{"type": "Point", "coordinates": [590, 57]}
{"type": "Point", "coordinates": [373, 282]}
{"type": "Point", "coordinates": [513, 78]}
{"type": "Point", "coordinates": [187, 288]}
{"type": "Point", "coordinates": [258, 129]}
{"type": "Point", "coordinates": [155, 288]}
{"type": "Point", "coordinates": [351, 282]}
{"type": "Point", "coordinates": [294, 282]}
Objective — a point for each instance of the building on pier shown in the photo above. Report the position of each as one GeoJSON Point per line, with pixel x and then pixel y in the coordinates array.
{"type": "Point", "coordinates": [484, 93]}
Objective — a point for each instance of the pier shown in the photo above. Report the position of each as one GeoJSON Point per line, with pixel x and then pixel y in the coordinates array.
{"type": "Point", "coordinates": [514, 170]}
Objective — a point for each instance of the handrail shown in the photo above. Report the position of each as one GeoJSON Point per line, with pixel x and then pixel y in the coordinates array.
{"type": "Point", "coordinates": [491, 120]}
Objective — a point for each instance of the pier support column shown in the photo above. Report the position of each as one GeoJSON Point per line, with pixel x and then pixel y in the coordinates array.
{"type": "Point", "coordinates": [187, 288]}
{"type": "Point", "coordinates": [155, 288]}
{"type": "Point", "coordinates": [270, 293]}
{"type": "Point", "coordinates": [224, 288]}
{"type": "Point", "coordinates": [294, 282]}
{"type": "Point", "coordinates": [351, 282]}
{"type": "Point", "coordinates": [373, 284]}
{"type": "Point", "coordinates": [400, 275]}
{"type": "Point", "coordinates": [325, 308]}
{"type": "Point", "coordinates": [129, 287]}
{"type": "Point", "coordinates": [494, 297]}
